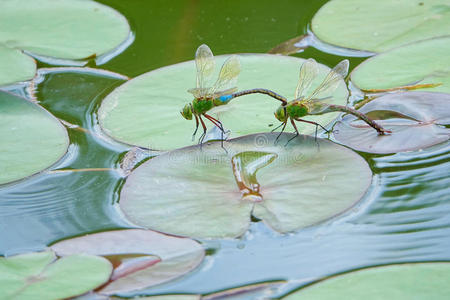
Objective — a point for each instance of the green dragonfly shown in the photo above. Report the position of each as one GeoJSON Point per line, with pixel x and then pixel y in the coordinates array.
{"type": "Point", "coordinates": [315, 103]}
{"type": "Point", "coordinates": [220, 93]}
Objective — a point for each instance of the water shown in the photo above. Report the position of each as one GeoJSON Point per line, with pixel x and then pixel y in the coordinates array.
{"type": "Point", "coordinates": [404, 217]}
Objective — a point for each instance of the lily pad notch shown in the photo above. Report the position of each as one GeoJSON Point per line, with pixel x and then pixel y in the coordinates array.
{"type": "Point", "coordinates": [213, 193]}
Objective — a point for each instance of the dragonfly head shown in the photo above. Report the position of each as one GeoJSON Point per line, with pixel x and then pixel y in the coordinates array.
{"type": "Point", "coordinates": [186, 112]}
{"type": "Point", "coordinates": [280, 114]}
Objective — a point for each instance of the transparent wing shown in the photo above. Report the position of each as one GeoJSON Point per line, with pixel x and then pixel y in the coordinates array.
{"type": "Point", "coordinates": [331, 81]}
{"type": "Point", "coordinates": [308, 71]}
{"type": "Point", "coordinates": [199, 92]}
{"type": "Point", "coordinates": [204, 61]}
{"type": "Point", "coordinates": [228, 75]}
{"type": "Point", "coordinates": [225, 92]}
{"type": "Point", "coordinates": [316, 106]}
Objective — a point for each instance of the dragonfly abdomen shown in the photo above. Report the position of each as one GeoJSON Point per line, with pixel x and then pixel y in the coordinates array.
{"type": "Point", "coordinates": [369, 121]}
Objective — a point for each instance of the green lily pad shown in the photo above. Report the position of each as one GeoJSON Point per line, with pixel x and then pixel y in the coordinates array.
{"type": "Point", "coordinates": [413, 117]}
{"type": "Point", "coordinates": [378, 26]}
{"type": "Point", "coordinates": [63, 29]}
{"type": "Point", "coordinates": [15, 66]}
{"type": "Point", "coordinates": [405, 281]}
{"type": "Point", "coordinates": [41, 276]}
{"type": "Point", "coordinates": [205, 192]}
{"type": "Point", "coordinates": [32, 139]}
{"type": "Point", "coordinates": [423, 62]}
{"type": "Point", "coordinates": [141, 258]}
{"type": "Point", "coordinates": [145, 111]}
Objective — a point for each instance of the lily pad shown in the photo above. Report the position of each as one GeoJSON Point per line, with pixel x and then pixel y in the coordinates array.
{"type": "Point", "coordinates": [253, 291]}
{"type": "Point", "coordinates": [413, 118]}
{"type": "Point", "coordinates": [145, 111]}
{"type": "Point", "coordinates": [63, 29]}
{"type": "Point", "coordinates": [378, 26]}
{"type": "Point", "coordinates": [405, 281]}
{"type": "Point", "coordinates": [32, 139]}
{"type": "Point", "coordinates": [423, 62]}
{"type": "Point", "coordinates": [141, 258]}
{"type": "Point", "coordinates": [40, 275]}
{"type": "Point", "coordinates": [206, 192]}
{"type": "Point", "coordinates": [15, 66]}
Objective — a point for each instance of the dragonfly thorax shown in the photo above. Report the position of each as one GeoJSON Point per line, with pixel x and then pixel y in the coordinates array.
{"type": "Point", "coordinates": [201, 106]}
{"type": "Point", "coordinates": [296, 110]}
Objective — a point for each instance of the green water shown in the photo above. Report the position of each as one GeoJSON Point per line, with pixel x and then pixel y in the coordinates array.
{"type": "Point", "coordinates": [404, 216]}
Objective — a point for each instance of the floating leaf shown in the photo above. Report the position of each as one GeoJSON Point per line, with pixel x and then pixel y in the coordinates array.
{"type": "Point", "coordinates": [39, 275]}
{"type": "Point", "coordinates": [378, 26]}
{"type": "Point", "coordinates": [418, 63]}
{"type": "Point", "coordinates": [64, 29]}
{"type": "Point", "coordinates": [195, 191]}
{"type": "Point", "coordinates": [141, 258]}
{"type": "Point", "coordinates": [146, 110]}
{"type": "Point", "coordinates": [291, 46]}
{"type": "Point", "coordinates": [31, 138]}
{"type": "Point", "coordinates": [411, 116]}
{"type": "Point", "coordinates": [405, 281]}
{"type": "Point", "coordinates": [15, 66]}
{"type": "Point", "coordinates": [253, 291]}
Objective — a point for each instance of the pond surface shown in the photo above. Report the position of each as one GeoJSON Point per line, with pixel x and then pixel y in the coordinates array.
{"type": "Point", "coordinates": [404, 217]}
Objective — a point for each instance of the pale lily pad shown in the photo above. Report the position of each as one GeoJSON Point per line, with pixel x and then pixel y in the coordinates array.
{"type": "Point", "coordinates": [400, 282]}
{"type": "Point", "coordinates": [15, 66]}
{"type": "Point", "coordinates": [205, 192]}
{"type": "Point", "coordinates": [142, 258]}
{"type": "Point", "coordinates": [378, 26]}
{"type": "Point", "coordinates": [63, 29]}
{"type": "Point", "coordinates": [425, 62]}
{"type": "Point", "coordinates": [413, 118]}
{"type": "Point", "coordinates": [253, 291]}
{"type": "Point", "coordinates": [145, 111]}
{"type": "Point", "coordinates": [31, 138]}
{"type": "Point", "coordinates": [41, 276]}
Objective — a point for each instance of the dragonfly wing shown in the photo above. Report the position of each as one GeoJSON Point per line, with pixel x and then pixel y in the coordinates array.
{"type": "Point", "coordinates": [308, 71]}
{"type": "Point", "coordinates": [199, 92]}
{"type": "Point", "coordinates": [225, 92]}
{"type": "Point", "coordinates": [316, 106]}
{"type": "Point", "coordinates": [228, 75]}
{"type": "Point", "coordinates": [204, 61]}
{"type": "Point", "coordinates": [331, 81]}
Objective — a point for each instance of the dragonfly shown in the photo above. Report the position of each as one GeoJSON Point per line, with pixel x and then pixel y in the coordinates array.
{"type": "Point", "coordinates": [207, 96]}
{"type": "Point", "coordinates": [314, 103]}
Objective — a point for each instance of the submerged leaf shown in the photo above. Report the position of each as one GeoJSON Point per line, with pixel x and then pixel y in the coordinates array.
{"type": "Point", "coordinates": [413, 118]}
{"type": "Point", "coordinates": [31, 138]}
{"type": "Point", "coordinates": [381, 25]}
{"type": "Point", "coordinates": [425, 62]}
{"type": "Point", "coordinates": [400, 282]}
{"type": "Point", "coordinates": [63, 29]}
{"type": "Point", "coordinates": [40, 275]}
{"type": "Point", "coordinates": [145, 111]}
{"type": "Point", "coordinates": [197, 186]}
{"type": "Point", "coordinates": [141, 258]}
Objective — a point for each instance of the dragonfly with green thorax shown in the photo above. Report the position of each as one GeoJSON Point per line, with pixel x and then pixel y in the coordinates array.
{"type": "Point", "coordinates": [224, 89]}
{"type": "Point", "coordinates": [315, 103]}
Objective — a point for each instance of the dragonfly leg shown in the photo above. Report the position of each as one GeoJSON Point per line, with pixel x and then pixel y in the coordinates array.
{"type": "Point", "coordinates": [282, 129]}
{"type": "Point", "coordinates": [220, 126]}
{"type": "Point", "coordinates": [196, 126]}
{"type": "Point", "coordinates": [277, 127]}
{"type": "Point", "coordinates": [202, 137]}
{"type": "Point", "coordinates": [296, 132]}
{"type": "Point", "coordinates": [314, 123]}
